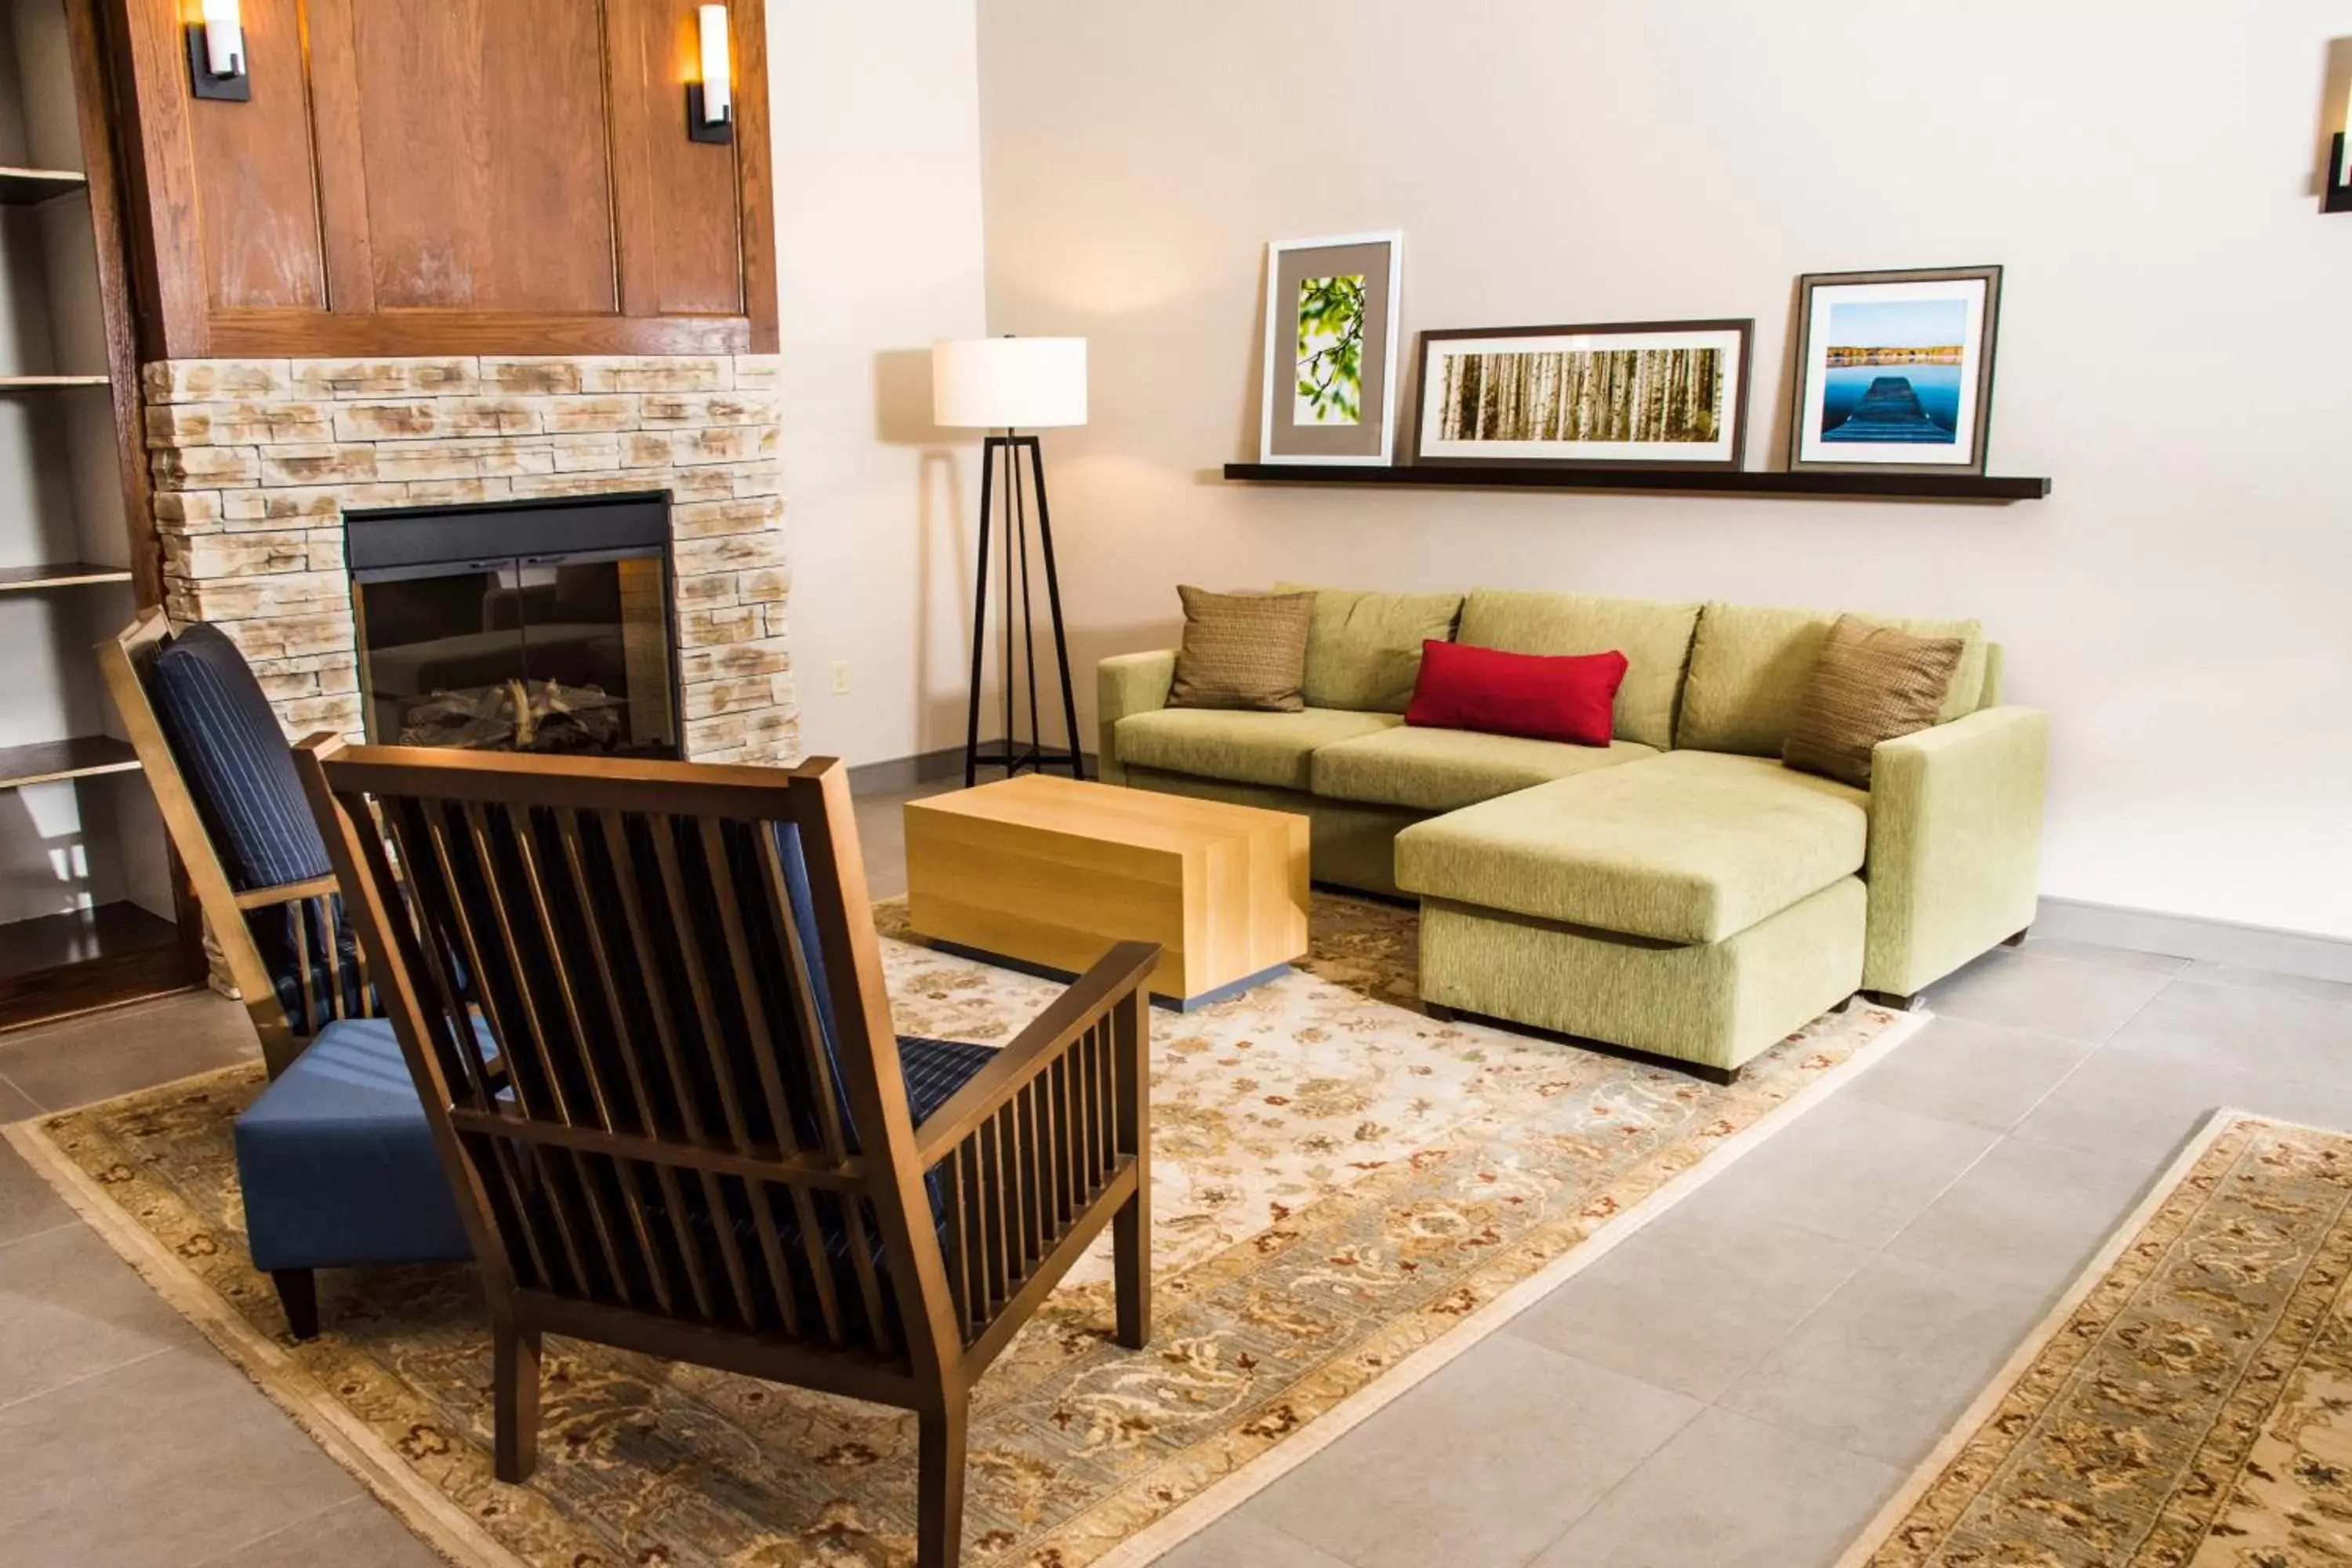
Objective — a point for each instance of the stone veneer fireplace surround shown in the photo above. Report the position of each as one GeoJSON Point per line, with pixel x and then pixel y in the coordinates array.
{"type": "Point", "coordinates": [256, 462]}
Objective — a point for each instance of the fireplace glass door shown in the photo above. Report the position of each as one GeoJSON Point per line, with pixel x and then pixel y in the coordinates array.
{"type": "Point", "coordinates": [568, 654]}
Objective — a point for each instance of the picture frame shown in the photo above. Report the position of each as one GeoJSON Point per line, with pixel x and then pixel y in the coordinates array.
{"type": "Point", "coordinates": [1604, 395]}
{"type": "Point", "coordinates": [1331, 319]}
{"type": "Point", "coordinates": [1894, 371]}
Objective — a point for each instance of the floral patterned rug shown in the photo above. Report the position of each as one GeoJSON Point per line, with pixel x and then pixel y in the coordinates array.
{"type": "Point", "coordinates": [1346, 1193]}
{"type": "Point", "coordinates": [2189, 1405]}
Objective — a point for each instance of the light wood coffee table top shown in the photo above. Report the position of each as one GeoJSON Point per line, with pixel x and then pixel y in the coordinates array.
{"type": "Point", "coordinates": [1051, 872]}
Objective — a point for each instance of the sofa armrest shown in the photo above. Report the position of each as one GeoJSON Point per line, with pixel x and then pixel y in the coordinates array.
{"type": "Point", "coordinates": [1955, 844]}
{"type": "Point", "coordinates": [1128, 683]}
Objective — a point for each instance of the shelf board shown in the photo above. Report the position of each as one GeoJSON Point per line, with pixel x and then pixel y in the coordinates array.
{"type": "Point", "coordinates": [45, 762]}
{"type": "Point", "coordinates": [60, 574]}
{"type": "Point", "coordinates": [52, 941]}
{"type": "Point", "coordinates": [40, 383]}
{"type": "Point", "coordinates": [30, 187]}
{"type": "Point", "coordinates": [1999, 489]}
{"type": "Point", "coordinates": [63, 966]}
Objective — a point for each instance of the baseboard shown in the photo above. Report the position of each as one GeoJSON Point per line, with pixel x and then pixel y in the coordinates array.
{"type": "Point", "coordinates": [896, 773]}
{"type": "Point", "coordinates": [905, 772]}
{"type": "Point", "coordinates": [2188, 936]}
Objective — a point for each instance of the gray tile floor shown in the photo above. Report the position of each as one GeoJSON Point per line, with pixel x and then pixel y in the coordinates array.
{"type": "Point", "coordinates": [1743, 1383]}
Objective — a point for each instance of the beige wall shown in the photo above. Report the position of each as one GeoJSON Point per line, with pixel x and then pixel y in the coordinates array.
{"type": "Point", "coordinates": [878, 242]}
{"type": "Point", "coordinates": [2176, 348]}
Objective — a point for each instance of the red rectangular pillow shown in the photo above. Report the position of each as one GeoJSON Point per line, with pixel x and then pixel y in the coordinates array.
{"type": "Point", "coordinates": [1543, 697]}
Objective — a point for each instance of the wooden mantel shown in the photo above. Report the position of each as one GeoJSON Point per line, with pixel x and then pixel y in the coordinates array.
{"type": "Point", "coordinates": [448, 176]}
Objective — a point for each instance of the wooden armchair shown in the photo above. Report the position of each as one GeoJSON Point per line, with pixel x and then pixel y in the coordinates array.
{"type": "Point", "coordinates": [714, 1147]}
{"type": "Point", "coordinates": [286, 942]}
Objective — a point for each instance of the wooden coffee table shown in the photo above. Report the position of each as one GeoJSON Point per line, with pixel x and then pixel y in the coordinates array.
{"type": "Point", "coordinates": [1050, 872]}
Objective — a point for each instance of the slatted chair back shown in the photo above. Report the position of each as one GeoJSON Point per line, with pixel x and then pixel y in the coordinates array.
{"type": "Point", "coordinates": [701, 1118]}
{"type": "Point", "coordinates": [307, 976]}
{"type": "Point", "coordinates": [694, 1137]}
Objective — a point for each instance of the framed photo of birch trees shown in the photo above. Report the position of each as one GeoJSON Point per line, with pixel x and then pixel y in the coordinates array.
{"type": "Point", "coordinates": [1332, 349]}
{"type": "Point", "coordinates": [1647, 394]}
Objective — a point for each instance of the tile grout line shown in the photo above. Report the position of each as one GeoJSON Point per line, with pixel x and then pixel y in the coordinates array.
{"type": "Point", "coordinates": [38, 1109]}
{"type": "Point", "coordinates": [2003, 1136]}
{"type": "Point", "coordinates": [70, 1221]}
{"type": "Point", "coordinates": [9, 1404]}
{"type": "Point", "coordinates": [235, 1553]}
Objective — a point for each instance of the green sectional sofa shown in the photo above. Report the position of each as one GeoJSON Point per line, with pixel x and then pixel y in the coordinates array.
{"type": "Point", "coordinates": [1678, 892]}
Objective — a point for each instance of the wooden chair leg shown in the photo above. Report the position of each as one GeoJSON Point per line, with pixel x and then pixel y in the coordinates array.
{"type": "Point", "coordinates": [297, 1293]}
{"type": "Point", "coordinates": [1131, 1243]}
{"type": "Point", "coordinates": [515, 1379]}
{"type": "Point", "coordinates": [938, 1486]}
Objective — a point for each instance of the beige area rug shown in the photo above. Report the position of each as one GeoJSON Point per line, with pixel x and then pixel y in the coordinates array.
{"type": "Point", "coordinates": [1345, 1195]}
{"type": "Point", "coordinates": [2188, 1403]}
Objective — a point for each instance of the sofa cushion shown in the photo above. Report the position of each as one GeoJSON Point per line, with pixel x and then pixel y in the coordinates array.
{"type": "Point", "coordinates": [1241, 650]}
{"type": "Point", "coordinates": [1655, 638]}
{"type": "Point", "coordinates": [1443, 770]}
{"type": "Point", "coordinates": [1566, 697]}
{"type": "Point", "coordinates": [1363, 649]}
{"type": "Point", "coordinates": [1750, 665]}
{"type": "Point", "coordinates": [1690, 847]}
{"type": "Point", "coordinates": [1242, 748]}
{"type": "Point", "coordinates": [1872, 683]}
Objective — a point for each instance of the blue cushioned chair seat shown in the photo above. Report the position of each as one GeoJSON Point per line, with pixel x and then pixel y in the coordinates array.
{"type": "Point", "coordinates": [337, 1162]}
{"type": "Point", "coordinates": [339, 1168]}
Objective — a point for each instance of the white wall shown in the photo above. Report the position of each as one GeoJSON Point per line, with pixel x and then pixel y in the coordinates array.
{"type": "Point", "coordinates": [879, 242]}
{"type": "Point", "coordinates": [2176, 347]}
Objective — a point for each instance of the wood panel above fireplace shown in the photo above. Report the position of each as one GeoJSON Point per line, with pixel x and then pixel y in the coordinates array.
{"type": "Point", "coordinates": [448, 177]}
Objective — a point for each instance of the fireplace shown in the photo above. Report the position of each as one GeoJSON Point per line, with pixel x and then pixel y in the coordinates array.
{"type": "Point", "coordinates": [537, 626]}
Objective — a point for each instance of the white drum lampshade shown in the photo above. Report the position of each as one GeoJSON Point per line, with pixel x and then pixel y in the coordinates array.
{"type": "Point", "coordinates": [1008, 384]}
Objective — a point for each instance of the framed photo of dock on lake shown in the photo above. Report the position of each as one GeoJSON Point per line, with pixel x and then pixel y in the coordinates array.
{"type": "Point", "coordinates": [1620, 394]}
{"type": "Point", "coordinates": [1895, 370]}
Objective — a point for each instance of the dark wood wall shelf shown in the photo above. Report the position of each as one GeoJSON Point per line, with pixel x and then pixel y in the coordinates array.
{"type": "Point", "coordinates": [1999, 488]}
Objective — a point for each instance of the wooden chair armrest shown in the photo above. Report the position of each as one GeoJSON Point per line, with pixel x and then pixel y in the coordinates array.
{"type": "Point", "coordinates": [1114, 978]}
{"type": "Point", "coordinates": [286, 893]}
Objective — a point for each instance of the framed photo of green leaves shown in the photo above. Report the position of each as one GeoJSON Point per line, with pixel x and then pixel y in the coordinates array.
{"type": "Point", "coordinates": [1332, 349]}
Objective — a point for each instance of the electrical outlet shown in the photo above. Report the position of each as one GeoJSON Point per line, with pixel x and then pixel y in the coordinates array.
{"type": "Point", "coordinates": [841, 678]}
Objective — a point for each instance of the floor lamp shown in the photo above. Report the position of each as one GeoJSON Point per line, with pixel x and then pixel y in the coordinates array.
{"type": "Point", "coordinates": [1004, 386]}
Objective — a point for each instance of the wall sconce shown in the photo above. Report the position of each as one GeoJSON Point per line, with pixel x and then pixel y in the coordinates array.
{"type": "Point", "coordinates": [710, 102]}
{"type": "Point", "coordinates": [2339, 166]}
{"type": "Point", "coordinates": [216, 53]}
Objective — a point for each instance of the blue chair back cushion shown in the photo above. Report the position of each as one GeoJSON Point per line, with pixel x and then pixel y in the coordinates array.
{"type": "Point", "coordinates": [227, 739]}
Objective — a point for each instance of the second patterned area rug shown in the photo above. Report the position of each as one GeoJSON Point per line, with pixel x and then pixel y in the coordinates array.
{"type": "Point", "coordinates": [1345, 1194]}
{"type": "Point", "coordinates": [2188, 1404]}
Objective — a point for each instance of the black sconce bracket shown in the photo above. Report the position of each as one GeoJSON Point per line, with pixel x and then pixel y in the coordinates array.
{"type": "Point", "coordinates": [237, 88]}
{"type": "Point", "coordinates": [699, 130]}
{"type": "Point", "coordinates": [2338, 185]}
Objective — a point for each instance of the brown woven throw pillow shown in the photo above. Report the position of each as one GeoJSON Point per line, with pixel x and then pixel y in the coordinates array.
{"type": "Point", "coordinates": [1242, 650]}
{"type": "Point", "coordinates": [1872, 684]}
